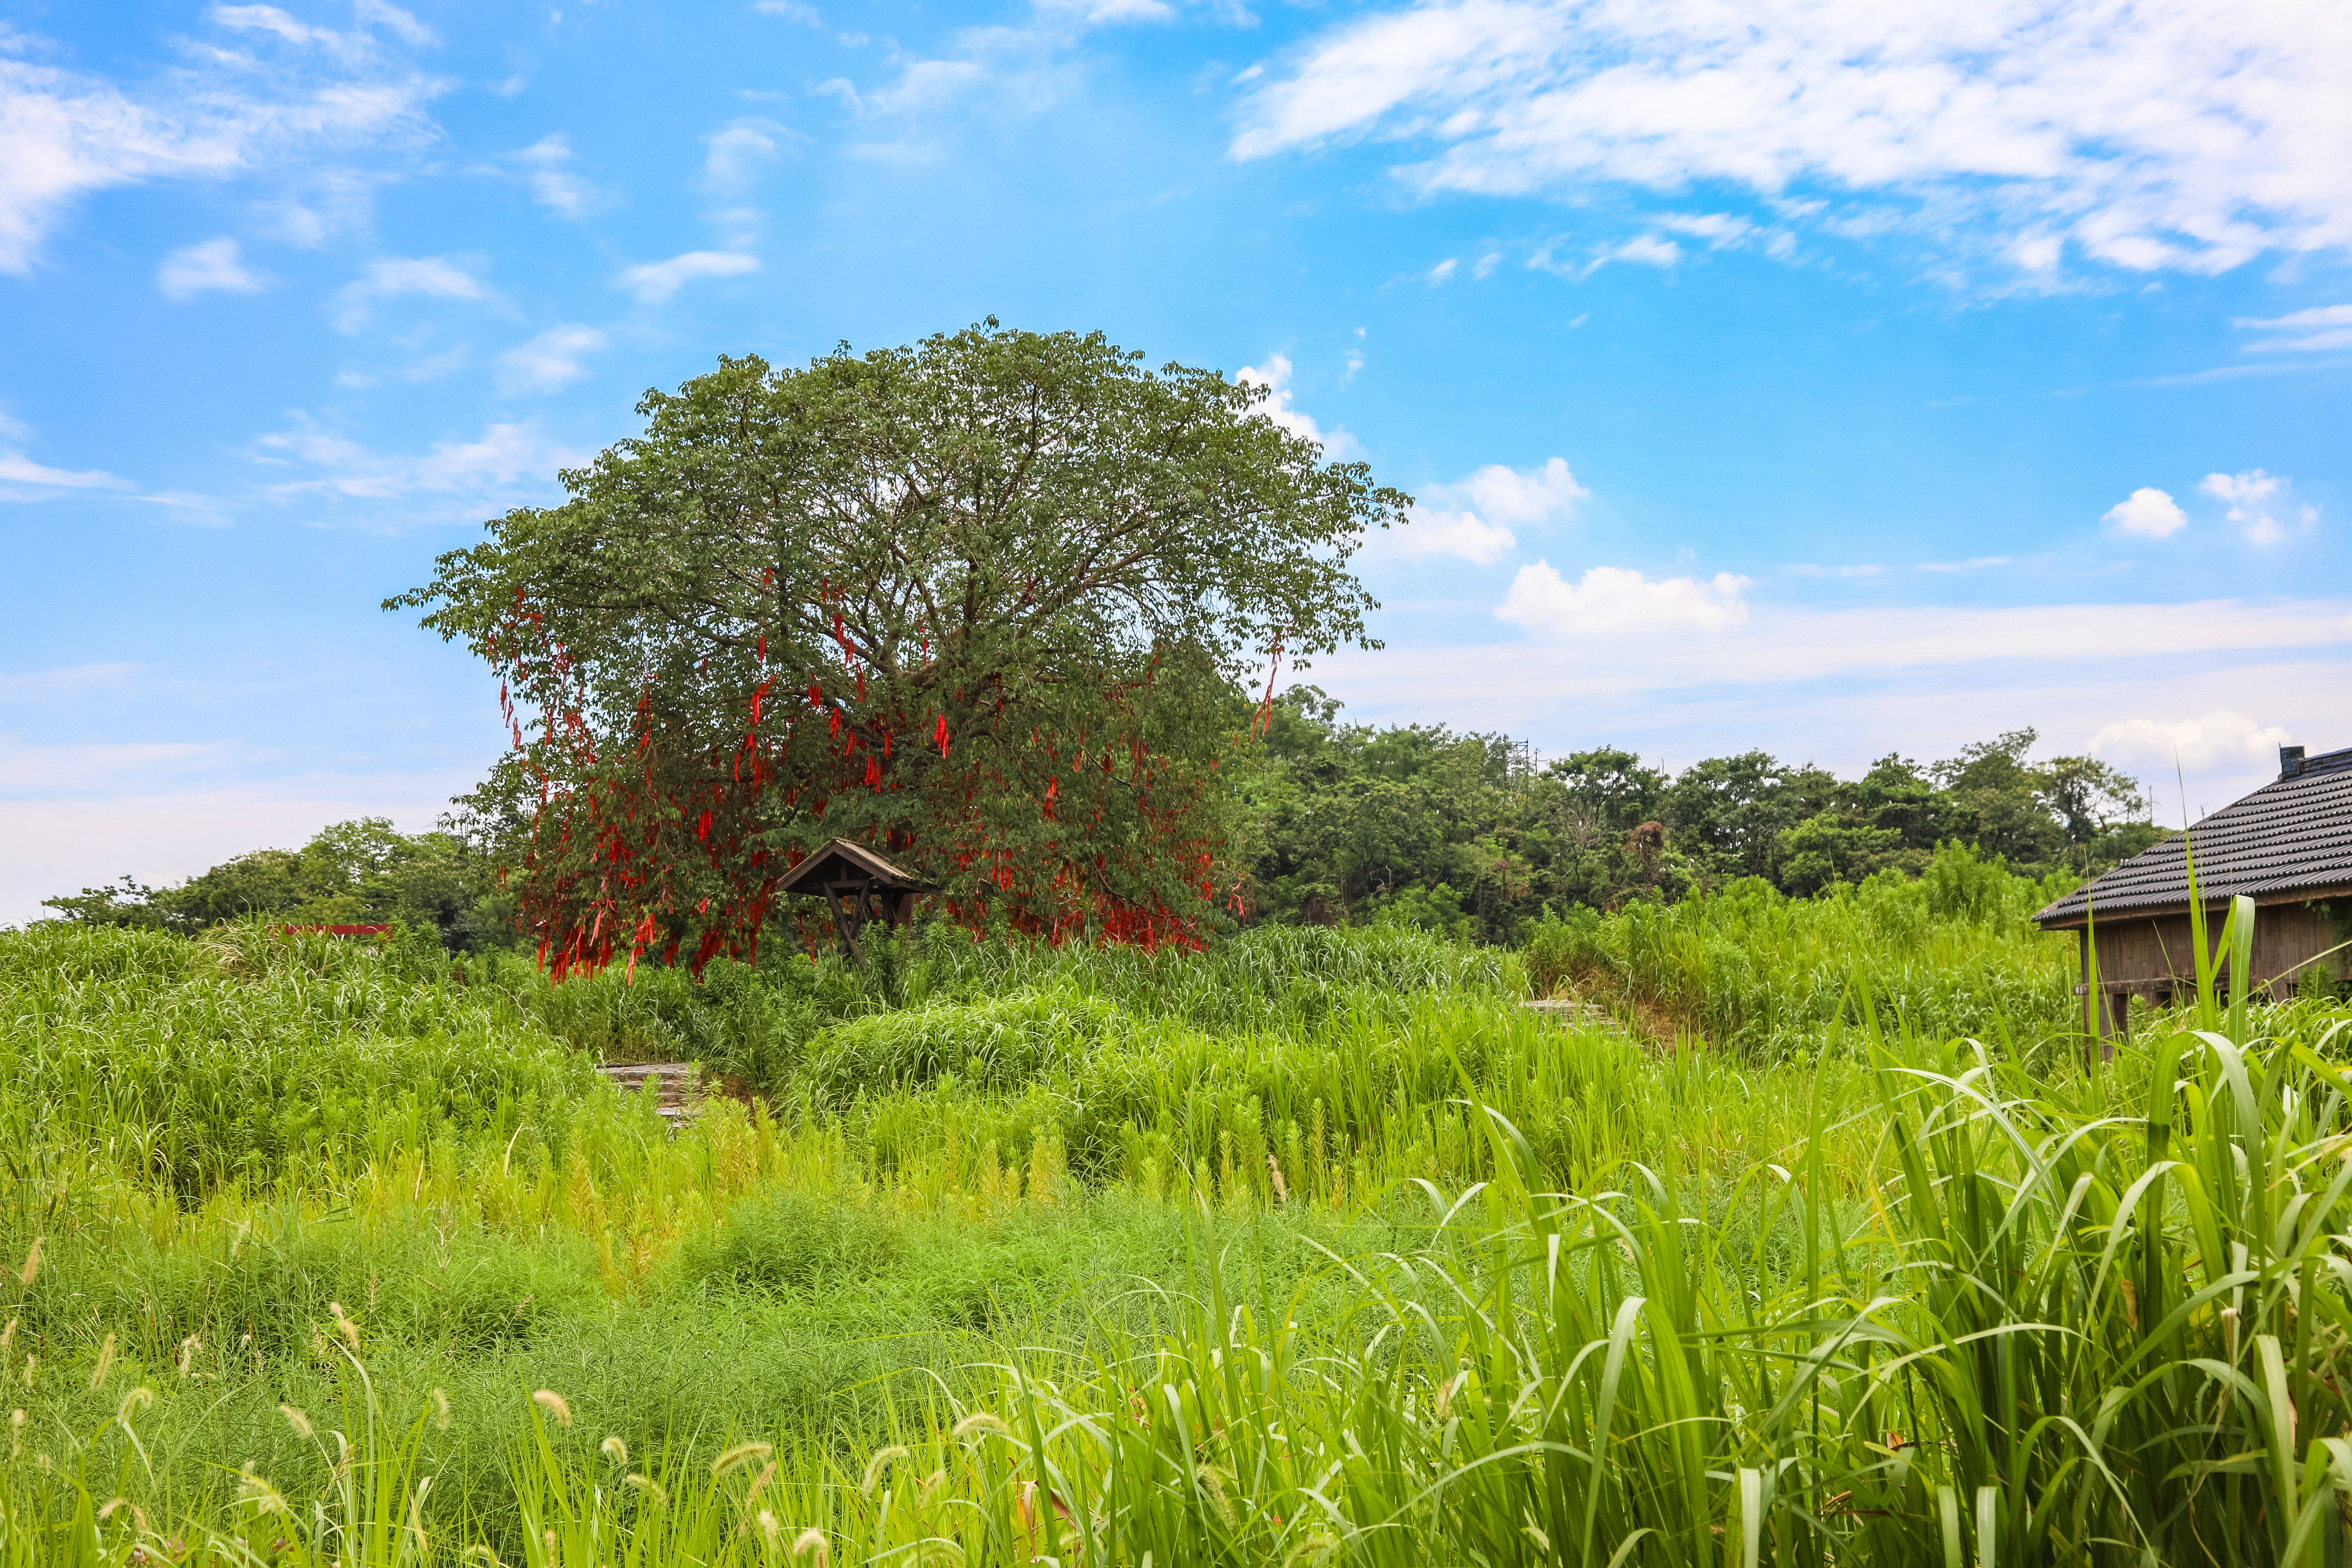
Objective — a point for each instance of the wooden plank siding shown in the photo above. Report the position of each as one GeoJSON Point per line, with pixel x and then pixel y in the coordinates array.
{"type": "Point", "coordinates": [2136, 956]}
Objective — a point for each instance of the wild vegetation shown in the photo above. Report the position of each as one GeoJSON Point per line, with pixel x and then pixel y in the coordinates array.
{"type": "Point", "coordinates": [1820, 1242]}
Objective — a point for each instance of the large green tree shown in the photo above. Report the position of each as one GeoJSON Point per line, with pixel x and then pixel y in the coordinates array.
{"type": "Point", "coordinates": [981, 602]}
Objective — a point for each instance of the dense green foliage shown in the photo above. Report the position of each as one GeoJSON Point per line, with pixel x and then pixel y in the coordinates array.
{"type": "Point", "coordinates": [1413, 824]}
{"type": "Point", "coordinates": [1316, 1247]}
{"type": "Point", "coordinates": [976, 601]}
{"type": "Point", "coordinates": [1458, 833]}
{"type": "Point", "coordinates": [353, 873]}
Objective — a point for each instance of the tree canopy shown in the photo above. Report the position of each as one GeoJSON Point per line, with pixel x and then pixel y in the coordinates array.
{"type": "Point", "coordinates": [353, 873]}
{"type": "Point", "coordinates": [981, 602]}
{"type": "Point", "coordinates": [1467, 833]}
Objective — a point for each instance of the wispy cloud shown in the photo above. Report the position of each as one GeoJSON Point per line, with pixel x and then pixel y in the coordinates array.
{"type": "Point", "coordinates": [741, 152]}
{"type": "Point", "coordinates": [2262, 505]}
{"type": "Point", "coordinates": [550, 361]}
{"type": "Point", "coordinates": [432, 276]}
{"type": "Point", "coordinates": [1722, 636]}
{"type": "Point", "coordinates": [2143, 134]}
{"type": "Point", "coordinates": [546, 167]}
{"type": "Point", "coordinates": [40, 480]}
{"type": "Point", "coordinates": [655, 281]}
{"type": "Point", "coordinates": [213, 266]}
{"type": "Point", "coordinates": [1642, 250]}
{"type": "Point", "coordinates": [272, 94]}
{"type": "Point", "coordinates": [37, 684]}
{"type": "Point", "coordinates": [2318, 330]}
{"type": "Point", "coordinates": [504, 457]}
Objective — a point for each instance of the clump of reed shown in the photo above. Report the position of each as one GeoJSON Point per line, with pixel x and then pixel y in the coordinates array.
{"type": "Point", "coordinates": [1746, 968]}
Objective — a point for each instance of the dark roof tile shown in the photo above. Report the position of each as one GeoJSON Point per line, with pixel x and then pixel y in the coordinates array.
{"type": "Point", "coordinates": [2292, 837]}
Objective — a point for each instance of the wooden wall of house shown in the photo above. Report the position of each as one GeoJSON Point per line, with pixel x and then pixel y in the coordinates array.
{"type": "Point", "coordinates": [2287, 937]}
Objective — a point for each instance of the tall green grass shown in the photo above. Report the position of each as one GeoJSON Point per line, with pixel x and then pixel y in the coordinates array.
{"type": "Point", "coordinates": [1750, 968]}
{"type": "Point", "coordinates": [1338, 1256]}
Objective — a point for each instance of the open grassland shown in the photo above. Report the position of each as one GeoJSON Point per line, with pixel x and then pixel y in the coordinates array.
{"type": "Point", "coordinates": [1318, 1247]}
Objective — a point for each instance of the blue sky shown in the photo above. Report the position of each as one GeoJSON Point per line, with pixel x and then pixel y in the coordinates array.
{"type": "Point", "coordinates": [1823, 378]}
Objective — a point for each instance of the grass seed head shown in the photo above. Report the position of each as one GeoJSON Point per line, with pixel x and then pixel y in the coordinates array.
{"type": "Point", "coordinates": [614, 1450]}
{"type": "Point", "coordinates": [135, 1400]}
{"type": "Point", "coordinates": [546, 1399]}
{"type": "Point", "coordinates": [25, 1275]}
{"type": "Point", "coordinates": [138, 1514]}
{"type": "Point", "coordinates": [300, 1421]}
{"type": "Point", "coordinates": [105, 1363]}
{"type": "Point", "coordinates": [978, 1421]}
{"type": "Point", "coordinates": [811, 1542]}
{"type": "Point", "coordinates": [882, 1460]}
{"type": "Point", "coordinates": [256, 1490]}
{"type": "Point", "coordinates": [1214, 1479]}
{"type": "Point", "coordinates": [740, 1454]}
{"type": "Point", "coordinates": [441, 1409]}
{"type": "Point", "coordinates": [647, 1485]}
{"type": "Point", "coordinates": [188, 1348]}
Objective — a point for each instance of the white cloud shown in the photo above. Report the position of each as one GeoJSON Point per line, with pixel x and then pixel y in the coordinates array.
{"type": "Point", "coordinates": [1475, 519]}
{"type": "Point", "coordinates": [2142, 133]}
{"type": "Point", "coordinates": [546, 165]}
{"type": "Point", "coordinates": [739, 154]}
{"type": "Point", "coordinates": [15, 468]}
{"type": "Point", "coordinates": [655, 281]}
{"type": "Point", "coordinates": [2148, 512]}
{"type": "Point", "coordinates": [1613, 600]}
{"type": "Point", "coordinates": [548, 360]}
{"type": "Point", "coordinates": [1276, 377]}
{"type": "Point", "coordinates": [1443, 269]}
{"type": "Point", "coordinates": [790, 10]}
{"type": "Point", "coordinates": [2319, 329]}
{"type": "Point", "coordinates": [1858, 681]}
{"type": "Point", "coordinates": [1098, 12]}
{"type": "Point", "coordinates": [2259, 504]}
{"type": "Point", "coordinates": [33, 685]}
{"type": "Point", "coordinates": [1523, 496]}
{"type": "Point", "coordinates": [2223, 735]}
{"type": "Point", "coordinates": [1463, 534]}
{"type": "Point", "coordinates": [1005, 75]}
{"type": "Point", "coordinates": [505, 457]}
{"type": "Point", "coordinates": [1642, 249]}
{"type": "Point", "coordinates": [434, 277]}
{"type": "Point", "coordinates": [277, 99]}
{"type": "Point", "coordinates": [213, 266]}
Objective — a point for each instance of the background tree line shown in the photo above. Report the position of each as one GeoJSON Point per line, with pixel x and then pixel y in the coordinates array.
{"type": "Point", "coordinates": [1333, 822]}
{"type": "Point", "coordinates": [353, 873]}
{"type": "Point", "coordinates": [1466, 833]}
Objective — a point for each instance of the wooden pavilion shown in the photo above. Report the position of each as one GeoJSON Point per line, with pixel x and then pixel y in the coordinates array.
{"type": "Point", "coordinates": [2288, 846]}
{"type": "Point", "coordinates": [858, 886]}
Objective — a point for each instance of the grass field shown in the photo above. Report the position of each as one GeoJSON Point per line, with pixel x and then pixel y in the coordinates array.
{"type": "Point", "coordinates": [1827, 1248]}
